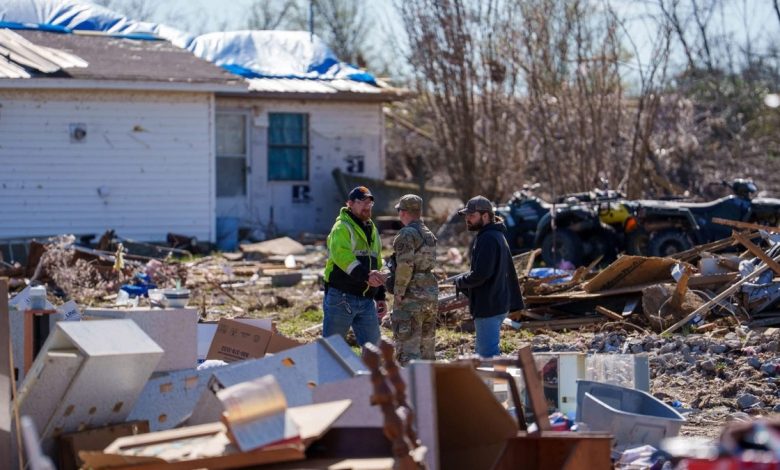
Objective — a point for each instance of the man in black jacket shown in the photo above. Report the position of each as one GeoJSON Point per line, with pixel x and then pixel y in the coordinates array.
{"type": "Point", "coordinates": [491, 285]}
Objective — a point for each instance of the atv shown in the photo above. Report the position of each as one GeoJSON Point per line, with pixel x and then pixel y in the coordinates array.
{"type": "Point", "coordinates": [669, 227]}
{"type": "Point", "coordinates": [521, 216]}
{"type": "Point", "coordinates": [584, 227]}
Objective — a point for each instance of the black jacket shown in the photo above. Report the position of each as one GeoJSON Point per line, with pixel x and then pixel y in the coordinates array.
{"type": "Point", "coordinates": [491, 285]}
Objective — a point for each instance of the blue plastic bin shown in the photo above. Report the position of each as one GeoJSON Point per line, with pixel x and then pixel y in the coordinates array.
{"type": "Point", "coordinates": [227, 233]}
{"type": "Point", "coordinates": [632, 416]}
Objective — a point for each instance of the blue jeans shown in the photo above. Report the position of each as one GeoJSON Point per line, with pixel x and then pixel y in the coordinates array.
{"type": "Point", "coordinates": [343, 310]}
{"type": "Point", "coordinates": [488, 334]}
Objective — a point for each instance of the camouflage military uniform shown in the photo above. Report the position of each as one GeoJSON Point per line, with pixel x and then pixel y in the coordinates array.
{"type": "Point", "coordinates": [414, 318]}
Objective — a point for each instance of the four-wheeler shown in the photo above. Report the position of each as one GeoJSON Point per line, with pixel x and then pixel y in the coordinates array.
{"type": "Point", "coordinates": [521, 216]}
{"type": "Point", "coordinates": [668, 227]}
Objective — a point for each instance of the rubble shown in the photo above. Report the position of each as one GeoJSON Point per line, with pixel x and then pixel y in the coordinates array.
{"type": "Point", "coordinates": [700, 319]}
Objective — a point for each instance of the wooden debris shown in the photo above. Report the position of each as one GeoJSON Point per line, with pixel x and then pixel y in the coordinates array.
{"type": "Point", "coordinates": [757, 252]}
{"type": "Point", "coordinates": [734, 288]}
{"type": "Point", "coordinates": [609, 313]}
{"type": "Point", "coordinates": [745, 225]}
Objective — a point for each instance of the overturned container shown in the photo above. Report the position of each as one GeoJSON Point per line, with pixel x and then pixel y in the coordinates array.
{"type": "Point", "coordinates": [632, 416]}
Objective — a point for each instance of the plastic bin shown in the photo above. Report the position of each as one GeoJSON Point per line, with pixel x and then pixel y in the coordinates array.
{"type": "Point", "coordinates": [634, 417]}
{"type": "Point", "coordinates": [227, 233]}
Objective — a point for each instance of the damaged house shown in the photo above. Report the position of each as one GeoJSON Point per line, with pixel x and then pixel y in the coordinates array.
{"type": "Point", "coordinates": [124, 131]}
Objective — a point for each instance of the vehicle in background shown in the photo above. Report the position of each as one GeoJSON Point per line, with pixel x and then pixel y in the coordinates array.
{"type": "Point", "coordinates": [669, 227]}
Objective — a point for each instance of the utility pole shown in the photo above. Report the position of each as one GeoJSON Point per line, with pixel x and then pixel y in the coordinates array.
{"type": "Point", "coordinates": [311, 20]}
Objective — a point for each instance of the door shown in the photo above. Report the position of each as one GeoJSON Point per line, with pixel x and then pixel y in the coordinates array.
{"type": "Point", "coordinates": [233, 169]}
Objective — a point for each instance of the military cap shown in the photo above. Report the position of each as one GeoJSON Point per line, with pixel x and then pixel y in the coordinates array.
{"type": "Point", "coordinates": [410, 203]}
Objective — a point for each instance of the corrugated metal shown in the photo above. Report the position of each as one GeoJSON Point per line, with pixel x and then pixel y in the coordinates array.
{"type": "Point", "coordinates": [18, 52]}
{"type": "Point", "coordinates": [10, 70]}
{"type": "Point", "coordinates": [291, 85]}
{"type": "Point", "coordinates": [147, 153]}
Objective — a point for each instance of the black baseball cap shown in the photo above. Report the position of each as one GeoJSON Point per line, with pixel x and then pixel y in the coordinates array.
{"type": "Point", "coordinates": [477, 204]}
{"type": "Point", "coordinates": [360, 193]}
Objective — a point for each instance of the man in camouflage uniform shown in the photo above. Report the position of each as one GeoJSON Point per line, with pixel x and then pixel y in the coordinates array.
{"type": "Point", "coordinates": [415, 289]}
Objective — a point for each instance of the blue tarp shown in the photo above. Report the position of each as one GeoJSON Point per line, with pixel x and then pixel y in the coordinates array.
{"type": "Point", "coordinates": [250, 54]}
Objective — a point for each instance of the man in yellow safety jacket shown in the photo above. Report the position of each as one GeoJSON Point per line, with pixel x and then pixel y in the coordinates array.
{"type": "Point", "coordinates": [354, 288]}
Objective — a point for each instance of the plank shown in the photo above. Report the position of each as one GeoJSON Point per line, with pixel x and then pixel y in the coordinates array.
{"type": "Point", "coordinates": [609, 313]}
{"type": "Point", "coordinates": [757, 252]}
{"type": "Point", "coordinates": [745, 225]}
{"type": "Point", "coordinates": [533, 387]}
{"type": "Point", "coordinates": [562, 324]}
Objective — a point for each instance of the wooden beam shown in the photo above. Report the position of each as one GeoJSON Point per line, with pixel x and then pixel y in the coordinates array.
{"type": "Point", "coordinates": [679, 292]}
{"type": "Point", "coordinates": [562, 324]}
{"type": "Point", "coordinates": [757, 252]}
{"type": "Point", "coordinates": [745, 225]}
{"type": "Point", "coordinates": [533, 386]}
{"type": "Point", "coordinates": [717, 245]}
{"type": "Point", "coordinates": [609, 313]}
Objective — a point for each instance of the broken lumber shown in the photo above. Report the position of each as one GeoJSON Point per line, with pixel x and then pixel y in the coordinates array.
{"type": "Point", "coordinates": [756, 251]}
{"type": "Point", "coordinates": [609, 313]}
{"type": "Point", "coordinates": [717, 245]}
{"type": "Point", "coordinates": [562, 324]}
{"type": "Point", "coordinates": [705, 308]}
{"type": "Point", "coordinates": [745, 225]}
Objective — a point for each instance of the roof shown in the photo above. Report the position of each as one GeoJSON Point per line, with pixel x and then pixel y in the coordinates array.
{"type": "Point", "coordinates": [129, 60]}
{"type": "Point", "coordinates": [336, 89]}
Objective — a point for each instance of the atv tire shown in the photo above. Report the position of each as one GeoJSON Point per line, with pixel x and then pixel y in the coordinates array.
{"type": "Point", "coordinates": [637, 242]}
{"type": "Point", "coordinates": [561, 245]}
{"type": "Point", "coordinates": [602, 244]}
{"type": "Point", "coordinates": [668, 242]}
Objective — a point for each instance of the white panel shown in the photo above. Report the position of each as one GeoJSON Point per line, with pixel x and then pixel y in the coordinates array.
{"type": "Point", "coordinates": [91, 371]}
{"type": "Point", "coordinates": [143, 168]}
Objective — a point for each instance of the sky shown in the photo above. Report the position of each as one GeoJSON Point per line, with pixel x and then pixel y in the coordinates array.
{"type": "Point", "coordinates": [742, 19]}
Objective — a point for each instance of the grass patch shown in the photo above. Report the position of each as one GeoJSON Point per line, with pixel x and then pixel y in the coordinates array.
{"type": "Point", "coordinates": [453, 343]}
{"type": "Point", "coordinates": [292, 321]}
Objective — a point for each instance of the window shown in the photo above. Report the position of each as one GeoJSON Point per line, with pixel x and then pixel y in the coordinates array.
{"type": "Point", "coordinates": [288, 147]}
{"type": "Point", "coordinates": [231, 155]}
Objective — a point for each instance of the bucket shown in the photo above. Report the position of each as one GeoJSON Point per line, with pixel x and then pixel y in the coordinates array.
{"type": "Point", "coordinates": [227, 233]}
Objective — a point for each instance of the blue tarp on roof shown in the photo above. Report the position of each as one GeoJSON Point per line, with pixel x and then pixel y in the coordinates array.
{"type": "Point", "coordinates": [251, 54]}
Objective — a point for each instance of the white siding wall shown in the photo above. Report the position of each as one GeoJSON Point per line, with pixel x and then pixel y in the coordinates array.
{"type": "Point", "coordinates": [337, 130]}
{"type": "Point", "coordinates": [150, 152]}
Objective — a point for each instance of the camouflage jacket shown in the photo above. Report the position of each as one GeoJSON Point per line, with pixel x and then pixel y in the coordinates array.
{"type": "Point", "coordinates": [415, 256]}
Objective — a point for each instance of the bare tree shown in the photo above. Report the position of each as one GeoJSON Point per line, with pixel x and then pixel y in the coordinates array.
{"type": "Point", "coordinates": [344, 25]}
{"type": "Point", "coordinates": [465, 74]}
{"type": "Point", "coordinates": [141, 10]}
{"type": "Point", "coordinates": [266, 15]}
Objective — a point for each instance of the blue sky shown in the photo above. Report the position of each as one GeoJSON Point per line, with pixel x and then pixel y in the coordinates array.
{"type": "Point", "coordinates": [746, 21]}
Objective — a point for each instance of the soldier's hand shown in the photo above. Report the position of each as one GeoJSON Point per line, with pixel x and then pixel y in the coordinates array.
{"type": "Point", "coordinates": [381, 309]}
{"type": "Point", "coordinates": [398, 299]}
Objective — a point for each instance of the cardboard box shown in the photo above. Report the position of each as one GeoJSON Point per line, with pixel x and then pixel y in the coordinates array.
{"type": "Point", "coordinates": [208, 445]}
{"type": "Point", "coordinates": [476, 439]}
{"type": "Point", "coordinates": [241, 339]}
{"type": "Point", "coordinates": [94, 439]}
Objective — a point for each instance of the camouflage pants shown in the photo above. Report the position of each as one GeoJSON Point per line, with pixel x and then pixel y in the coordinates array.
{"type": "Point", "coordinates": [414, 327]}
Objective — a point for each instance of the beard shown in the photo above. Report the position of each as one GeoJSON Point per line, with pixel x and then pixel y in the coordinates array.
{"type": "Point", "coordinates": [364, 214]}
{"type": "Point", "coordinates": [476, 226]}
